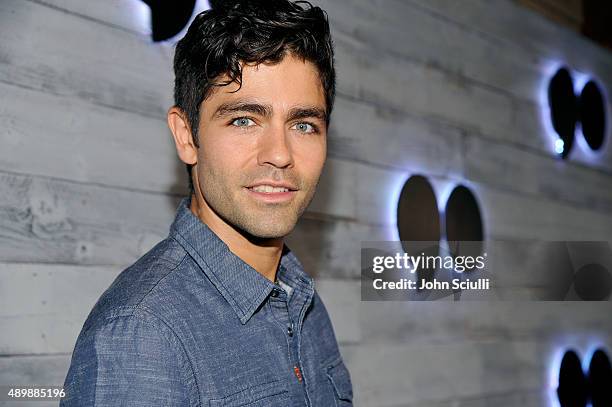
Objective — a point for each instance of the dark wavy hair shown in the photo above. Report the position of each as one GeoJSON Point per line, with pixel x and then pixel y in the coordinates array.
{"type": "Point", "coordinates": [233, 32]}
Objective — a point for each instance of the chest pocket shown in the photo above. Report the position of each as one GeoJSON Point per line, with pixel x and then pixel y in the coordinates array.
{"type": "Point", "coordinates": [340, 380]}
{"type": "Point", "coordinates": [273, 394]}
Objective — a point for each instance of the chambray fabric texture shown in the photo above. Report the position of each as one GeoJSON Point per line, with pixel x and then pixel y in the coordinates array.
{"type": "Point", "coordinates": [191, 324]}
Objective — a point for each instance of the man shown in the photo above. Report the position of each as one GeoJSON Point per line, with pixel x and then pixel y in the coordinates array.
{"type": "Point", "coordinates": [221, 313]}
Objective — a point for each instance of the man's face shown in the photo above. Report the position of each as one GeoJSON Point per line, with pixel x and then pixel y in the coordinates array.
{"type": "Point", "coordinates": [262, 148]}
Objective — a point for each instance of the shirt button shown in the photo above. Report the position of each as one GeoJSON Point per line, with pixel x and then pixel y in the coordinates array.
{"type": "Point", "coordinates": [274, 292]}
{"type": "Point", "coordinates": [290, 330]}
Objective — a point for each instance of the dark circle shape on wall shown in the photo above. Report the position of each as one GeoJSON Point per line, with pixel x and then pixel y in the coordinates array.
{"type": "Point", "coordinates": [592, 115]}
{"type": "Point", "coordinates": [563, 108]}
{"type": "Point", "coordinates": [572, 391]}
{"type": "Point", "coordinates": [418, 220]}
{"type": "Point", "coordinates": [593, 282]}
{"type": "Point", "coordinates": [169, 18]}
{"type": "Point", "coordinates": [417, 211]}
{"type": "Point", "coordinates": [463, 222]}
{"type": "Point", "coordinates": [600, 379]}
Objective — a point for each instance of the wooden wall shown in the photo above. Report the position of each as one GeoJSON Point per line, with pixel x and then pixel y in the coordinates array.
{"type": "Point", "coordinates": [89, 181]}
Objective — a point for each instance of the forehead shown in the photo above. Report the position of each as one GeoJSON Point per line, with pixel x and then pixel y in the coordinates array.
{"type": "Point", "coordinates": [288, 83]}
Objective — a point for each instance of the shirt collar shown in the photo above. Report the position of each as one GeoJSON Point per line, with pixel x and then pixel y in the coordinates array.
{"type": "Point", "coordinates": [243, 287]}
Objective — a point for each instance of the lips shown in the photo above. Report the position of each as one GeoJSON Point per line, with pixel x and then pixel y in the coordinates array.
{"type": "Point", "coordinates": [272, 192]}
{"type": "Point", "coordinates": [270, 187]}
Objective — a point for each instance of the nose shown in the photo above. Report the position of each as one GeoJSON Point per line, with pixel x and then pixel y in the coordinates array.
{"type": "Point", "coordinates": [274, 148]}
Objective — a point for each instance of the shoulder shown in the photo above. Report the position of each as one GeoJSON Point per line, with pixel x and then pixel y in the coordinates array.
{"type": "Point", "coordinates": [129, 357]}
{"type": "Point", "coordinates": [130, 291]}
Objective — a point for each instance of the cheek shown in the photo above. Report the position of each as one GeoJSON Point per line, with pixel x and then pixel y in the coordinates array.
{"type": "Point", "coordinates": [312, 159]}
{"type": "Point", "coordinates": [224, 157]}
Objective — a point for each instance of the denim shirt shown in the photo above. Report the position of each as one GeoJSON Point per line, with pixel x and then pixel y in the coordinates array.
{"type": "Point", "coordinates": [191, 324]}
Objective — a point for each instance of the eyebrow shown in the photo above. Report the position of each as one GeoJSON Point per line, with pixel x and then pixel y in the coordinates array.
{"type": "Point", "coordinates": [295, 113]}
{"type": "Point", "coordinates": [228, 108]}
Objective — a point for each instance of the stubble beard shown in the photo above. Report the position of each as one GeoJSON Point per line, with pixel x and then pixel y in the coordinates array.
{"type": "Point", "coordinates": [255, 220]}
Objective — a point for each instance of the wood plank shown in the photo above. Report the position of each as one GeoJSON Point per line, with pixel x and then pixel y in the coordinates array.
{"type": "Point", "coordinates": [329, 248]}
{"type": "Point", "coordinates": [43, 370]}
{"type": "Point", "coordinates": [132, 16]}
{"type": "Point", "coordinates": [371, 134]}
{"type": "Point", "coordinates": [342, 299]}
{"type": "Point", "coordinates": [27, 369]}
{"type": "Point", "coordinates": [70, 139]}
{"type": "Point", "coordinates": [50, 317]}
{"type": "Point", "coordinates": [135, 76]}
{"type": "Point", "coordinates": [507, 21]}
{"type": "Point", "coordinates": [528, 173]}
{"type": "Point", "coordinates": [505, 214]}
{"type": "Point", "coordinates": [405, 374]}
{"type": "Point", "coordinates": [391, 140]}
{"type": "Point", "coordinates": [400, 29]}
{"type": "Point", "coordinates": [421, 91]}
{"type": "Point", "coordinates": [384, 323]}
{"type": "Point", "coordinates": [568, 12]}
{"type": "Point", "coordinates": [52, 221]}
{"type": "Point", "coordinates": [455, 55]}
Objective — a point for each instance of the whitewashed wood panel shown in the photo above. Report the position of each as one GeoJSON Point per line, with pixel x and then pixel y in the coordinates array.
{"type": "Point", "coordinates": [51, 221]}
{"type": "Point", "coordinates": [420, 38]}
{"type": "Point", "coordinates": [505, 214]}
{"type": "Point", "coordinates": [408, 374]}
{"type": "Point", "coordinates": [372, 75]}
{"type": "Point", "coordinates": [47, 49]}
{"type": "Point", "coordinates": [342, 299]}
{"type": "Point", "coordinates": [130, 15]}
{"type": "Point", "coordinates": [511, 23]}
{"type": "Point", "coordinates": [384, 323]}
{"type": "Point", "coordinates": [59, 298]}
{"type": "Point", "coordinates": [526, 172]}
{"type": "Point", "coordinates": [391, 140]}
{"type": "Point", "coordinates": [73, 140]}
{"type": "Point", "coordinates": [44, 370]}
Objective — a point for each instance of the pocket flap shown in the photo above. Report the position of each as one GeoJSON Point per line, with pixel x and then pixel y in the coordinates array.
{"type": "Point", "coordinates": [259, 393]}
{"type": "Point", "coordinates": [340, 379]}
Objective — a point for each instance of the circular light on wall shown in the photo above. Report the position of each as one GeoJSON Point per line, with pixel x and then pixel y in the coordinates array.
{"type": "Point", "coordinates": [418, 221]}
{"type": "Point", "coordinates": [600, 379]}
{"type": "Point", "coordinates": [592, 115]}
{"type": "Point", "coordinates": [463, 222]}
{"type": "Point", "coordinates": [572, 391]}
{"type": "Point", "coordinates": [563, 110]}
{"type": "Point", "coordinates": [169, 18]}
{"type": "Point", "coordinates": [417, 211]}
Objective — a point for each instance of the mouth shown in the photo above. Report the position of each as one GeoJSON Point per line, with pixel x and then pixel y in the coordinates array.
{"type": "Point", "coordinates": [269, 189]}
{"type": "Point", "coordinates": [272, 193]}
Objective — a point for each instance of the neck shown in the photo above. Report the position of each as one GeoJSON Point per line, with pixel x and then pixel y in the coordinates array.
{"type": "Point", "coordinates": [261, 254]}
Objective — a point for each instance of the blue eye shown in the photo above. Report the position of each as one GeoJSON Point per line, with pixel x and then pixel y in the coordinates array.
{"type": "Point", "coordinates": [306, 128]}
{"type": "Point", "coordinates": [243, 122]}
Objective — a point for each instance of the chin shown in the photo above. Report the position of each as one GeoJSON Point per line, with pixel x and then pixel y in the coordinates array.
{"type": "Point", "coordinates": [270, 231]}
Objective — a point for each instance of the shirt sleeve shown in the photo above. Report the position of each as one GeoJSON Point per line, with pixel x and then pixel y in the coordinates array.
{"type": "Point", "coordinates": [127, 361]}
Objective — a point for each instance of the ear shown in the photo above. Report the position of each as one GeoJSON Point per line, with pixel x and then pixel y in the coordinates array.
{"type": "Point", "coordinates": [179, 126]}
